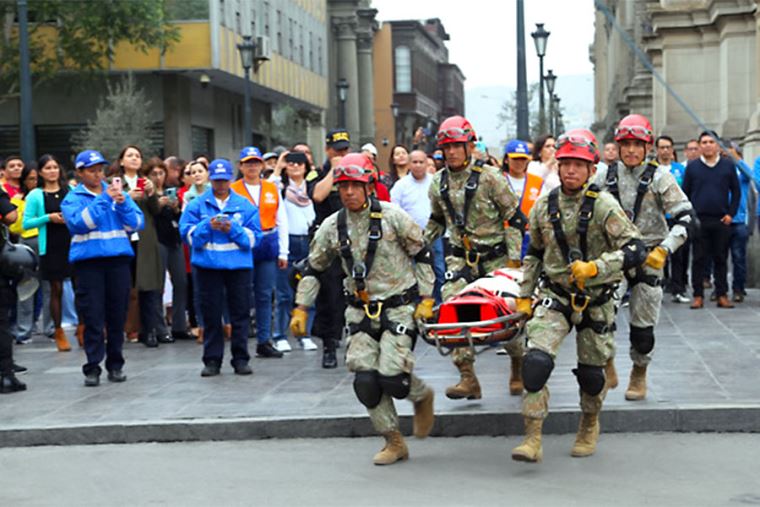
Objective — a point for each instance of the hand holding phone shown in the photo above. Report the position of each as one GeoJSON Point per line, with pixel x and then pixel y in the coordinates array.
{"type": "Point", "coordinates": [140, 184]}
{"type": "Point", "coordinates": [116, 183]}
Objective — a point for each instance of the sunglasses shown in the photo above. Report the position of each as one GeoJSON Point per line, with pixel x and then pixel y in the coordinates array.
{"type": "Point", "coordinates": [452, 133]}
{"type": "Point", "coordinates": [640, 133]}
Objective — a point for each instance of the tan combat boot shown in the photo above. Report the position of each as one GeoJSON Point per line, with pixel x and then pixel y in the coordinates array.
{"type": "Point", "coordinates": [611, 373]}
{"type": "Point", "coordinates": [424, 417]}
{"type": "Point", "coordinates": [637, 387]}
{"type": "Point", "coordinates": [468, 386]}
{"type": "Point", "coordinates": [61, 341]}
{"type": "Point", "coordinates": [394, 450]}
{"type": "Point", "coordinates": [515, 378]}
{"type": "Point", "coordinates": [588, 434]}
{"type": "Point", "coordinates": [530, 450]}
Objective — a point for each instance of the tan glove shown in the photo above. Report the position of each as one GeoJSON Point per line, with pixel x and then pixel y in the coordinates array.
{"type": "Point", "coordinates": [657, 257]}
{"type": "Point", "coordinates": [424, 309]}
{"type": "Point", "coordinates": [513, 263]}
{"type": "Point", "coordinates": [525, 305]}
{"type": "Point", "coordinates": [298, 321]}
{"type": "Point", "coordinates": [582, 271]}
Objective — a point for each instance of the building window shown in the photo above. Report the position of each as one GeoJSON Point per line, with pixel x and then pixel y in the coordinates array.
{"type": "Point", "coordinates": [311, 51]}
{"type": "Point", "coordinates": [221, 13]}
{"type": "Point", "coordinates": [266, 19]}
{"type": "Point", "coordinates": [238, 25]}
{"type": "Point", "coordinates": [202, 141]}
{"type": "Point", "coordinates": [301, 51]}
{"type": "Point", "coordinates": [403, 63]}
{"type": "Point", "coordinates": [319, 55]}
{"type": "Point", "coordinates": [279, 33]}
{"type": "Point", "coordinates": [291, 45]}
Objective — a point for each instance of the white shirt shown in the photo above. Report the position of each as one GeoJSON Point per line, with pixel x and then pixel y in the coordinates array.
{"type": "Point", "coordinates": [551, 178]}
{"type": "Point", "coordinates": [516, 184]}
{"type": "Point", "coordinates": [300, 218]}
{"type": "Point", "coordinates": [411, 195]}
{"type": "Point", "coordinates": [281, 220]}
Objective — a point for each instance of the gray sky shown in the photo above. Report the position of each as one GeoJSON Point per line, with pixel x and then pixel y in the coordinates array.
{"type": "Point", "coordinates": [483, 40]}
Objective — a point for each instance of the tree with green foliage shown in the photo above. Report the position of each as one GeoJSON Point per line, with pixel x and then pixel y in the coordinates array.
{"type": "Point", "coordinates": [79, 36]}
{"type": "Point", "coordinates": [508, 114]}
{"type": "Point", "coordinates": [124, 117]}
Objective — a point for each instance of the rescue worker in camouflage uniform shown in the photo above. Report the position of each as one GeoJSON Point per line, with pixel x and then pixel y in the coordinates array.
{"type": "Point", "coordinates": [473, 202]}
{"type": "Point", "coordinates": [389, 282]}
{"type": "Point", "coordinates": [647, 193]}
{"type": "Point", "coordinates": [580, 243]}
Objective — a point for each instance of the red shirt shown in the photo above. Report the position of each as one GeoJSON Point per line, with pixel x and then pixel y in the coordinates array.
{"type": "Point", "coordinates": [381, 191]}
{"type": "Point", "coordinates": [11, 189]}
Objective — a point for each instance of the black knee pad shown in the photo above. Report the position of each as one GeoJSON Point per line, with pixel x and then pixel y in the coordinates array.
{"type": "Point", "coordinates": [642, 339]}
{"type": "Point", "coordinates": [590, 378]}
{"type": "Point", "coordinates": [396, 385]}
{"type": "Point", "coordinates": [367, 388]}
{"type": "Point", "coordinates": [537, 366]}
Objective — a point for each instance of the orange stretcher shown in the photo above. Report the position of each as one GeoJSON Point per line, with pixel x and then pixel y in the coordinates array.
{"type": "Point", "coordinates": [481, 315]}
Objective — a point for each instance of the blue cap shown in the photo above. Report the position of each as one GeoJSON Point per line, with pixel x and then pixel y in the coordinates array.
{"type": "Point", "coordinates": [250, 153]}
{"type": "Point", "coordinates": [437, 156]}
{"type": "Point", "coordinates": [517, 149]}
{"type": "Point", "coordinates": [220, 169]}
{"type": "Point", "coordinates": [89, 158]}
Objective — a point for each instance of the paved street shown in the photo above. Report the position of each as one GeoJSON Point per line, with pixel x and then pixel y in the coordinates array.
{"type": "Point", "coordinates": [636, 470]}
{"type": "Point", "coordinates": [702, 362]}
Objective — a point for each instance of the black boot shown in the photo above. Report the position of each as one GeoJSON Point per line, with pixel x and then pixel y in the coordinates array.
{"type": "Point", "coordinates": [329, 358]}
{"type": "Point", "coordinates": [149, 340]}
{"type": "Point", "coordinates": [10, 384]}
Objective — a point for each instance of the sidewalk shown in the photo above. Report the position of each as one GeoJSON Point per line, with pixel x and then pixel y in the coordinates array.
{"type": "Point", "coordinates": [702, 379]}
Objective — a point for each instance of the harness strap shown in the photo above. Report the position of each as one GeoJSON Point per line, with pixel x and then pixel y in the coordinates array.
{"type": "Point", "coordinates": [566, 310]}
{"type": "Point", "coordinates": [585, 214]}
{"type": "Point", "coordinates": [360, 271]}
{"type": "Point", "coordinates": [484, 253]}
{"type": "Point", "coordinates": [470, 188]}
{"type": "Point", "coordinates": [646, 179]}
{"type": "Point", "coordinates": [409, 296]}
{"type": "Point", "coordinates": [612, 181]}
{"type": "Point", "coordinates": [642, 277]}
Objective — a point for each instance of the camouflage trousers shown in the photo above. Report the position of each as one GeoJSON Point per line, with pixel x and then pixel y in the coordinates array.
{"type": "Point", "coordinates": [644, 310]}
{"type": "Point", "coordinates": [547, 330]}
{"type": "Point", "coordinates": [391, 355]}
{"type": "Point", "coordinates": [463, 355]}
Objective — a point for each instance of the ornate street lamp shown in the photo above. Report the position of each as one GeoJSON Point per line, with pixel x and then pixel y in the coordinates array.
{"type": "Point", "coordinates": [540, 37]}
{"type": "Point", "coordinates": [342, 87]}
{"type": "Point", "coordinates": [394, 110]}
{"type": "Point", "coordinates": [550, 79]}
{"type": "Point", "coordinates": [247, 49]}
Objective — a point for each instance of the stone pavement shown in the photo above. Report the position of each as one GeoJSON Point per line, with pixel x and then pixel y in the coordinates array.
{"type": "Point", "coordinates": [703, 378]}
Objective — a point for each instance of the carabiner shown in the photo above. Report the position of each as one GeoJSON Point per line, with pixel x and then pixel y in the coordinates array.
{"type": "Point", "coordinates": [376, 315]}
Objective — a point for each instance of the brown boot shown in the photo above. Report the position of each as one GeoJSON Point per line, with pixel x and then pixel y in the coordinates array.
{"type": "Point", "coordinates": [530, 450]}
{"type": "Point", "coordinates": [80, 335]}
{"type": "Point", "coordinates": [200, 336]}
{"type": "Point", "coordinates": [468, 386]}
{"type": "Point", "coordinates": [588, 434]}
{"type": "Point", "coordinates": [424, 417]}
{"type": "Point", "coordinates": [698, 303]}
{"type": "Point", "coordinates": [637, 387]}
{"type": "Point", "coordinates": [227, 332]}
{"type": "Point", "coordinates": [724, 302]}
{"type": "Point", "coordinates": [515, 377]}
{"type": "Point", "coordinates": [61, 341]}
{"type": "Point", "coordinates": [611, 373]}
{"type": "Point", "coordinates": [394, 450]}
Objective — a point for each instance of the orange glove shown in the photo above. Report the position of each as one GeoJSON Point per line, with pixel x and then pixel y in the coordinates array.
{"type": "Point", "coordinates": [424, 309]}
{"type": "Point", "coordinates": [513, 263]}
{"type": "Point", "coordinates": [525, 305]}
{"type": "Point", "coordinates": [298, 321]}
{"type": "Point", "coordinates": [657, 257]}
{"type": "Point", "coordinates": [582, 271]}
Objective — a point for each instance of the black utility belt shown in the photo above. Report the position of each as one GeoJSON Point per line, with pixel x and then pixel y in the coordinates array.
{"type": "Point", "coordinates": [580, 296]}
{"type": "Point", "coordinates": [483, 252]}
{"type": "Point", "coordinates": [409, 296]}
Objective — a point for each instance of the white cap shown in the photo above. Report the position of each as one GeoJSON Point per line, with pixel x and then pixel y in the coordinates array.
{"type": "Point", "coordinates": [370, 148]}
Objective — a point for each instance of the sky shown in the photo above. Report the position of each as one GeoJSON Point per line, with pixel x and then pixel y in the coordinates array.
{"type": "Point", "coordinates": [483, 40]}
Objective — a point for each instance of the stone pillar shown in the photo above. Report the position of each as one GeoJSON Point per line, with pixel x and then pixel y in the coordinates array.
{"type": "Point", "coordinates": [177, 107]}
{"type": "Point", "coordinates": [366, 75]}
{"type": "Point", "coordinates": [345, 31]}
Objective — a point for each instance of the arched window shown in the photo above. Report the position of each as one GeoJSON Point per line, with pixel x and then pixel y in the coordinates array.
{"type": "Point", "coordinates": [403, 59]}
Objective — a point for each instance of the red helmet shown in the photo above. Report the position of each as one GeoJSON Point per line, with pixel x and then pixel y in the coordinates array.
{"type": "Point", "coordinates": [577, 143]}
{"type": "Point", "coordinates": [634, 126]}
{"type": "Point", "coordinates": [353, 167]}
{"type": "Point", "coordinates": [455, 129]}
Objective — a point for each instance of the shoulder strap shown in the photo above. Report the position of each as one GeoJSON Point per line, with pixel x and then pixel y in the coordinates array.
{"type": "Point", "coordinates": [555, 218]}
{"type": "Point", "coordinates": [612, 181]}
{"type": "Point", "coordinates": [584, 217]}
{"type": "Point", "coordinates": [644, 182]}
{"type": "Point", "coordinates": [375, 232]}
{"type": "Point", "coordinates": [471, 187]}
{"type": "Point", "coordinates": [359, 272]}
{"type": "Point", "coordinates": [344, 241]}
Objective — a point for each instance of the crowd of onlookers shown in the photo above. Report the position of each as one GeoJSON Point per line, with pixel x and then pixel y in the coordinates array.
{"type": "Point", "coordinates": [185, 224]}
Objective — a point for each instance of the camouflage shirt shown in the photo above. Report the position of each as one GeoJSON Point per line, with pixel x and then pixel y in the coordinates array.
{"type": "Point", "coordinates": [608, 231]}
{"type": "Point", "coordinates": [663, 196]}
{"type": "Point", "coordinates": [492, 205]}
{"type": "Point", "coordinates": [393, 270]}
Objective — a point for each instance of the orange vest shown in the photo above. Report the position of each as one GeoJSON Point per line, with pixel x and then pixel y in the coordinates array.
{"type": "Point", "coordinates": [531, 191]}
{"type": "Point", "coordinates": [269, 199]}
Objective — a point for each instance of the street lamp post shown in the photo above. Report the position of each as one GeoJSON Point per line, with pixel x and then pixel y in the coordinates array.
{"type": "Point", "coordinates": [394, 110]}
{"type": "Point", "coordinates": [550, 79]}
{"type": "Point", "coordinates": [523, 131]}
{"type": "Point", "coordinates": [26, 131]}
{"type": "Point", "coordinates": [540, 37]}
{"type": "Point", "coordinates": [247, 49]}
{"type": "Point", "coordinates": [342, 87]}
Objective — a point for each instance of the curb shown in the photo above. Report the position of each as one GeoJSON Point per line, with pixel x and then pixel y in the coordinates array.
{"type": "Point", "coordinates": [687, 420]}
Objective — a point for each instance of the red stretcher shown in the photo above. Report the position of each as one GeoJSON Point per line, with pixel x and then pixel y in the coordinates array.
{"type": "Point", "coordinates": [481, 315]}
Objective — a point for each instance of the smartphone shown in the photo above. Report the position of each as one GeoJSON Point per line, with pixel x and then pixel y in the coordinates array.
{"type": "Point", "coordinates": [171, 193]}
{"type": "Point", "coordinates": [140, 184]}
{"type": "Point", "coordinates": [221, 217]}
{"type": "Point", "coordinates": [116, 183]}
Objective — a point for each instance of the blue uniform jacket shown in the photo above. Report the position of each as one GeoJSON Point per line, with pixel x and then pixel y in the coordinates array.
{"type": "Point", "coordinates": [99, 227]}
{"type": "Point", "coordinates": [212, 249]}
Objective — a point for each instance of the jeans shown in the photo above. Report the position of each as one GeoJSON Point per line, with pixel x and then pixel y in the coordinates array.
{"type": "Point", "coordinates": [215, 286]}
{"type": "Point", "coordinates": [26, 314]}
{"type": "Point", "coordinates": [439, 268]}
{"type": "Point", "coordinates": [103, 286]}
{"type": "Point", "coordinates": [264, 282]}
{"type": "Point", "coordinates": [738, 245]}
{"type": "Point", "coordinates": [173, 260]}
{"type": "Point", "coordinates": [299, 249]}
{"type": "Point", "coordinates": [679, 268]}
{"type": "Point", "coordinates": [711, 244]}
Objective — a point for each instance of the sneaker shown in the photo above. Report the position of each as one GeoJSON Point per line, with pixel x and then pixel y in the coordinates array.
{"type": "Point", "coordinates": [282, 345]}
{"type": "Point", "coordinates": [210, 370]}
{"type": "Point", "coordinates": [92, 380]}
{"type": "Point", "coordinates": [19, 370]}
{"type": "Point", "coordinates": [23, 340]}
{"type": "Point", "coordinates": [501, 351]}
{"type": "Point", "coordinates": [738, 297]}
{"type": "Point", "coordinates": [308, 344]}
{"type": "Point", "coordinates": [267, 350]}
{"type": "Point", "coordinates": [242, 369]}
{"type": "Point", "coordinates": [116, 376]}
{"type": "Point", "coordinates": [681, 298]}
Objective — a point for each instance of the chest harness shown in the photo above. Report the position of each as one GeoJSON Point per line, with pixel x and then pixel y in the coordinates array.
{"type": "Point", "coordinates": [374, 309]}
{"type": "Point", "coordinates": [576, 312]}
{"type": "Point", "coordinates": [612, 187]}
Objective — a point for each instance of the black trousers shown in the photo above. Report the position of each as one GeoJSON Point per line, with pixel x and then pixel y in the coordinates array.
{"type": "Point", "coordinates": [679, 268]}
{"type": "Point", "coordinates": [331, 307]}
{"type": "Point", "coordinates": [711, 243]}
{"type": "Point", "coordinates": [7, 300]}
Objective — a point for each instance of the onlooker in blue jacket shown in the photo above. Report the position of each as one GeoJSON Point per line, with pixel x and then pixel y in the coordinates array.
{"type": "Point", "coordinates": [100, 218]}
{"type": "Point", "coordinates": [221, 229]}
{"type": "Point", "coordinates": [739, 229]}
